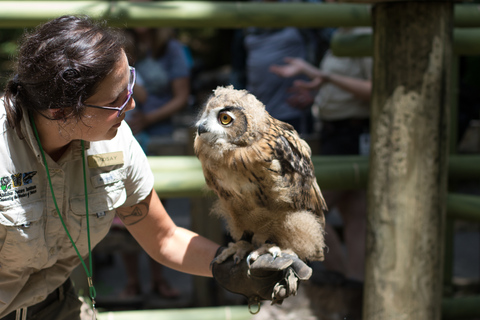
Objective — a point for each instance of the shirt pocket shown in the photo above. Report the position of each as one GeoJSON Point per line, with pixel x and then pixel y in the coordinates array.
{"type": "Point", "coordinates": [101, 211]}
{"type": "Point", "coordinates": [22, 238]}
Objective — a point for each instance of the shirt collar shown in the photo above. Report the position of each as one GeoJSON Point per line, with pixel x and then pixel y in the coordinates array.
{"type": "Point", "coordinates": [72, 153]}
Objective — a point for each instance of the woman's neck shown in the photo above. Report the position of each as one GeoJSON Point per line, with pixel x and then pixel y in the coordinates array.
{"type": "Point", "coordinates": [53, 143]}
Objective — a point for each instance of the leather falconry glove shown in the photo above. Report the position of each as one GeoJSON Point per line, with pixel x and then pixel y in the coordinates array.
{"type": "Point", "coordinates": [268, 278]}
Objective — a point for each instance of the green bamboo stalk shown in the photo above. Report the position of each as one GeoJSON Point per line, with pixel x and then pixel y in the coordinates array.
{"type": "Point", "coordinates": [23, 14]}
{"type": "Point", "coordinates": [467, 15]}
{"type": "Point", "coordinates": [189, 183]}
{"type": "Point", "coordinates": [211, 313]}
{"type": "Point", "coordinates": [174, 163]}
{"type": "Point", "coordinates": [452, 308]}
{"type": "Point", "coordinates": [464, 167]}
{"type": "Point", "coordinates": [465, 43]}
{"type": "Point", "coordinates": [463, 207]}
{"type": "Point", "coordinates": [179, 176]}
{"type": "Point", "coordinates": [200, 14]}
{"type": "Point", "coordinates": [194, 14]}
{"type": "Point", "coordinates": [461, 308]}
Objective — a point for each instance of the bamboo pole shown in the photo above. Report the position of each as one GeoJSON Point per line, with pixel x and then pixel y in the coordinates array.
{"type": "Point", "coordinates": [467, 15]}
{"type": "Point", "coordinates": [200, 14]}
{"type": "Point", "coordinates": [194, 14]}
{"type": "Point", "coordinates": [408, 160]}
{"type": "Point", "coordinates": [461, 308]}
{"type": "Point", "coordinates": [449, 237]}
{"type": "Point", "coordinates": [212, 313]}
{"type": "Point", "coordinates": [463, 207]}
{"type": "Point", "coordinates": [182, 176]}
{"type": "Point", "coordinates": [465, 43]}
{"type": "Point", "coordinates": [460, 167]}
{"type": "Point", "coordinates": [452, 309]}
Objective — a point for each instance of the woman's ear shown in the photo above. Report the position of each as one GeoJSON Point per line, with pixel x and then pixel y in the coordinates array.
{"type": "Point", "coordinates": [56, 114]}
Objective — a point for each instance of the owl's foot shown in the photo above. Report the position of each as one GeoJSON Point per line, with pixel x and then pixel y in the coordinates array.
{"type": "Point", "coordinates": [273, 249]}
{"type": "Point", "coordinates": [238, 250]}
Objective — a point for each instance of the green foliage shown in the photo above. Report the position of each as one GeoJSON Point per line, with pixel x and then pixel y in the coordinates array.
{"type": "Point", "coordinates": [8, 48]}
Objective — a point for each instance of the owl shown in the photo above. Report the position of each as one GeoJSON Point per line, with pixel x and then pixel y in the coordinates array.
{"type": "Point", "coordinates": [262, 173]}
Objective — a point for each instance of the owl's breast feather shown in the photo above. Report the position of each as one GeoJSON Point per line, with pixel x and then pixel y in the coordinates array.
{"type": "Point", "coordinates": [236, 183]}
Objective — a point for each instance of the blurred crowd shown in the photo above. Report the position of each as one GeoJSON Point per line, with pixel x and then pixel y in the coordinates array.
{"type": "Point", "coordinates": [293, 72]}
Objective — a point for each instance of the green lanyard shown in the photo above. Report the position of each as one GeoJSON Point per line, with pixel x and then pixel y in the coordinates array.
{"type": "Point", "coordinates": [89, 273]}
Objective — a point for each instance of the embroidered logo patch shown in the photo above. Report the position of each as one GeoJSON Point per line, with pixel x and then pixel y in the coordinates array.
{"type": "Point", "coordinates": [27, 177]}
{"type": "Point", "coordinates": [17, 180]}
{"type": "Point", "coordinates": [5, 183]}
{"type": "Point", "coordinates": [9, 186]}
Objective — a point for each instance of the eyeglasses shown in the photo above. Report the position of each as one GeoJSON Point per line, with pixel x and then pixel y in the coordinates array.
{"type": "Point", "coordinates": [131, 83]}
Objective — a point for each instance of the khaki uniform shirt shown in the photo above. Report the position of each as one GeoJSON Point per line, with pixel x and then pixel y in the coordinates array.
{"type": "Point", "coordinates": [36, 255]}
{"type": "Point", "coordinates": [333, 103]}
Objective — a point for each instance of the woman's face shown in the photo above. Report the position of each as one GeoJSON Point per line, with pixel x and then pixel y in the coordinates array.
{"type": "Point", "coordinates": [102, 124]}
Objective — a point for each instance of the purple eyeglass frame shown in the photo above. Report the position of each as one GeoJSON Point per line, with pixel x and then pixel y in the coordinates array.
{"type": "Point", "coordinates": [120, 109]}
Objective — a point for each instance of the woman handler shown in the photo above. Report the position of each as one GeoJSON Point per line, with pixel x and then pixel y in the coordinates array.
{"type": "Point", "coordinates": [69, 163]}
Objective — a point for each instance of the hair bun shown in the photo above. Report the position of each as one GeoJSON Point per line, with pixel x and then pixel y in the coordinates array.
{"type": "Point", "coordinates": [70, 74]}
{"type": "Point", "coordinates": [15, 85]}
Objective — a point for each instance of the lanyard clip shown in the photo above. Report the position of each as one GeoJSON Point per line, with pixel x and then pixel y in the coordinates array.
{"type": "Point", "coordinates": [93, 293]}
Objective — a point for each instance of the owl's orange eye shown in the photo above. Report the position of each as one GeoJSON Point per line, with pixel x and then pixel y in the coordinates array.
{"type": "Point", "coordinates": [225, 118]}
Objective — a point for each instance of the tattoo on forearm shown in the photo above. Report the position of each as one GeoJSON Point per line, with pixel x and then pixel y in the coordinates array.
{"type": "Point", "coordinates": [138, 213]}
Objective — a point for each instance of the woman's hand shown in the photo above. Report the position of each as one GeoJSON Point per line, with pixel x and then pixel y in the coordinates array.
{"type": "Point", "coordinates": [293, 67]}
{"type": "Point", "coordinates": [312, 85]}
{"type": "Point", "coordinates": [297, 66]}
{"type": "Point", "coordinates": [267, 278]}
{"type": "Point", "coordinates": [300, 98]}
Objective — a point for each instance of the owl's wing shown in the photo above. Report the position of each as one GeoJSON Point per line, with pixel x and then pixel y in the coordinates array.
{"type": "Point", "coordinates": [296, 167]}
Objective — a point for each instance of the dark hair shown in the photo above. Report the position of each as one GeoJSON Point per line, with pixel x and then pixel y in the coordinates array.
{"type": "Point", "coordinates": [60, 65]}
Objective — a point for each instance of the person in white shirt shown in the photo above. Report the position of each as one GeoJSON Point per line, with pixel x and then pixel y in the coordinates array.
{"type": "Point", "coordinates": [342, 88]}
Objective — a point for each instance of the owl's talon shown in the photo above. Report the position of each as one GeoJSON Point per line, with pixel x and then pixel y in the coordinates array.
{"type": "Point", "coordinates": [275, 251]}
{"type": "Point", "coordinates": [236, 251]}
{"type": "Point", "coordinates": [249, 263]}
{"type": "Point", "coordinates": [215, 260]}
{"type": "Point", "coordinates": [252, 257]}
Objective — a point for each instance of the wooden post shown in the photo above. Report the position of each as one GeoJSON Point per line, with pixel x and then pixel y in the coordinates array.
{"type": "Point", "coordinates": [408, 161]}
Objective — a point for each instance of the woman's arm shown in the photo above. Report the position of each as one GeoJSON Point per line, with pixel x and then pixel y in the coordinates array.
{"type": "Point", "coordinates": [172, 246]}
{"type": "Point", "coordinates": [361, 88]}
{"type": "Point", "coordinates": [296, 66]}
{"type": "Point", "coordinates": [181, 92]}
{"type": "Point", "coordinates": [139, 93]}
{"type": "Point", "coordinates": [267, 278]}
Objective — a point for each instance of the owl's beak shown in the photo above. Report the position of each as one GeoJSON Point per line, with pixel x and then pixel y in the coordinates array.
{"type": "Point", "coordinates": [201, 129]}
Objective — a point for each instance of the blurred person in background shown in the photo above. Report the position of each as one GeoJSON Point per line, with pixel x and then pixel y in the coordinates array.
{"type": "Point", "coordinates": [342, 90]}
{"type": "Point", "coordinates": [255, 49]}
{"type": "Point", "coordinates": [163, 85]}
{"type": "Point", "coordinates": [162, 89]}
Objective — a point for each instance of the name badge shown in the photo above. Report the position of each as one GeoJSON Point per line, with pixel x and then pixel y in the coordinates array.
{"type": "Point", "coordinates": [105, 159]}
{"type": "Point", "coordinates": [109, 177]}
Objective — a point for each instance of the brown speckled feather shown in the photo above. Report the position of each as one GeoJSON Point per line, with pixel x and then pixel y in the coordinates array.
{"type": "Point", "coordinates": [262, 173]}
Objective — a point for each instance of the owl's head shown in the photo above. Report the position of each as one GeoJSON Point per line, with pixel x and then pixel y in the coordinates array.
{"type": "Point", "coordinates": [231, 118]}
